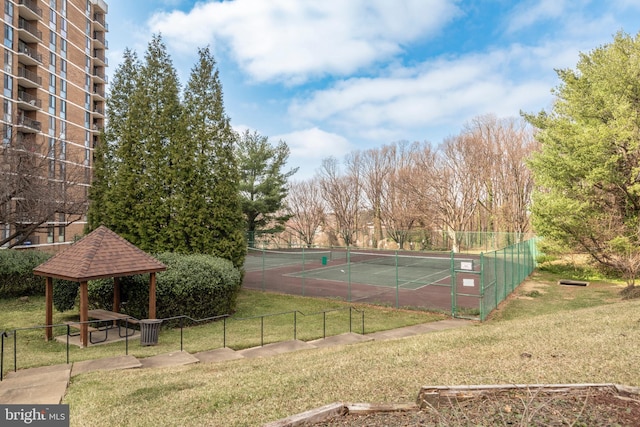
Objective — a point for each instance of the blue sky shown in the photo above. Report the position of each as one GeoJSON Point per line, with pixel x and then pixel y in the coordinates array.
{"type": "Point", "coordinates": [333, 76]}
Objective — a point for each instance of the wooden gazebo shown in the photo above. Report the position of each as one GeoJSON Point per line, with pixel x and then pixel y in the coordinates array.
{"type": "Point", "coordinates": [100, 254]}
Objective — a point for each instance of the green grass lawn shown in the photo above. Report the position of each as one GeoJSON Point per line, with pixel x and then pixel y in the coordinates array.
{"type": "Point", "coordinates": [544, 333]}
{"type": "Point", "coordinates": [315, 318]}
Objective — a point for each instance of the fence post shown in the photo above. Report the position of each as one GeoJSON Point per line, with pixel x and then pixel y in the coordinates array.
{"type": "Point", "coordinates": [2, 355]}
{"type": "Point", "coordinates": [15, 350]}
{"type": "Point", "coordinates": [263, 266]}
{"type": "Point", "coordinates": [303, 272]}
{"type": "Point", "coordinates": [349, 273]}
{"type": "Point", "coordinates": [397, 283]}
{"type": "Point", "coordinates": [452, 274]}
{"type": "Point", "coordinates": [482, 289]}
{"type": "Point", "coordinates": [181, 333]}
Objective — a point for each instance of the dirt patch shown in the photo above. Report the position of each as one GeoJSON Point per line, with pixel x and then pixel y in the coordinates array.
{"type": "Point", "coordinates": [583, 407]}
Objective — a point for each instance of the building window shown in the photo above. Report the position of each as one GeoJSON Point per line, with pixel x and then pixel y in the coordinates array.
{"type": "Point", "coordinates": [61, 227]}
{"type": "Point", "coordinates": [8, 61]}
{"type": "Point", "coordinates": [8, 10]}
{"type": "Point", "coordinates": [51, 155]}
{"type": "Point", "coordinates": [52, 19]}
{"type": "Point", "coordinates": [8, 36]}
{"type": "Point", "coordinates": [63, 109]}
{"type": "Point", "coordinates": [52, 62]}
{"type": "Point", "coordinates": [7, 110]}
{"type": "Point", "coordinates": [87, 63]}
{"type": "Point", "coordinates": [63, 48]}
{"type": "Point", "coordinates": [63, 27]}
{"type": "Point", "coordinates": [8, 86]}
{"type": "Point", "coordinates": [6, 135]}
{"type": "Point", "coordinates": [53, 40]}
{"type": "Point", "coordinates": [52, 105]}
{"type": "Point", "coordinates": [52, 83]}
{"type": "Point", "coordinates": [87, 120]}
{"type": "Point", "coordinates": [50, 229]}
{"type": "Point", "coordinates": [63, 89]}
{"type": "Point", "coordinates": [63, 68]}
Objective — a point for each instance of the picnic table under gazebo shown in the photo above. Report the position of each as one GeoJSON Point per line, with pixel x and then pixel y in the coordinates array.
{"type": "Point", "coordinates": [98, 255]}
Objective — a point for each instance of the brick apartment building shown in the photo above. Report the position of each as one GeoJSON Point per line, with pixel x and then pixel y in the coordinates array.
{"type": "Point", "coordinates": [53, 104]}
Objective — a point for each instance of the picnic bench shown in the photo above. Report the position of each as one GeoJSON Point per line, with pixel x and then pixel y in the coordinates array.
{"type": "Point", "coordinates": [90, 329]}
{"type": "Point", "coordinates": [116, 319]}
{"type": "Point", "coordinates": [108, 320]}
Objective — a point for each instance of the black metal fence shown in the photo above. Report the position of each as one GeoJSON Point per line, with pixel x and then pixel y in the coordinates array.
{"type": "Point", "coordinates": [9, 343]}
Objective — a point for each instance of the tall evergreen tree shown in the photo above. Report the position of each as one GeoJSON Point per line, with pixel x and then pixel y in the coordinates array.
{"type": "Point", "coordinates": [154, 125]}
{"type": "Point", "coordinates": [263, 183]}
{"type": "Point", "coordinates": [115, 162]}
{"type": "Point", "coordinates": [207, 203]}
{"type": "Point", "coordinates": [588, 168]}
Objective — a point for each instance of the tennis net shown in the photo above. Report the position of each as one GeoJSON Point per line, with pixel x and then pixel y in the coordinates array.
{"type": "Point", "coordinates": [425, 262]}
{"type": "Point", "coordinates": [310, 255]}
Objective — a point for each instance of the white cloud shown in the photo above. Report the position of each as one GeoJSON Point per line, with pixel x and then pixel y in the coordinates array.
{"type": "Point", "coordinates": [447, 91]}
{"type": "Point", "coordinates": [309, 146]}
{"type": "Point", "coordinates": [314, 143]}
{"type": "Point", "coordinates": [529, 13]}
{"type": "Point", "coordinates": [290, 40]}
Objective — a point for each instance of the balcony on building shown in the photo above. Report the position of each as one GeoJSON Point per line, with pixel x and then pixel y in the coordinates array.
{"type": "Point", "coordinates": [99, 23]}
{"type": "Point", "coordinates": [99, 40]}
{"type": "Point", "coordinates": [98, 109]}
{"type": "Point", "coordinates": [27, 125]}
{"type": "Point", "coordinates": [99, 75]}
{"type": "Point", "coordinates": [27, 78]}
{"type": "Point", "coordinates": [98, 92]}
{"type": "Point", "coordinates": [98, 124]}
{"type": "Point", "coordinates": [28, 9]}
{"type": "Point", "coordinates": [28, 55]}
{"type": "Point", "coordinates": [27, 101]}
{"type": "Point", "coordinates": [99, 58]}
{"type": "Point", "coordinates": [28, 31]}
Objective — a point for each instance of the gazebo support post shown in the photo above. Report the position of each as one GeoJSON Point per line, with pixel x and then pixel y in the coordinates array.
{"type": "Point", "coordinates": [116, 294]}
{"type": "Point", "coordinates": [48, 332]}
{"type": "Point", "coordinates": [152, 296]}
{"type": "Point", "coordinates": [84, 313]}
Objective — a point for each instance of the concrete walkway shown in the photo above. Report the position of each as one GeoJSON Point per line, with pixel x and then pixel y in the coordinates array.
{"type": "Point", "coordinates": [48, 384]}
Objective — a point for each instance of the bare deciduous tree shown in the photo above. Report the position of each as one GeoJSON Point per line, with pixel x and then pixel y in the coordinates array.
{"type": "Point", "coordinates": [375, 168]}
{"type": "Point", "coordinates": [400, 208]}
{"type": "Point", "coordinates": [342, 194]}
{"type": "Point", "coordinates": [37, 188]}
{"type": "Point", "coordinates": [306, 208]}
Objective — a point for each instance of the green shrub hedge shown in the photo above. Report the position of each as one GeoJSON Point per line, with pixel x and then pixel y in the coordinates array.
{"type": "Point", "coordinates": [16, 273]}
{"type": "Point", "coordinates": [198, 286]}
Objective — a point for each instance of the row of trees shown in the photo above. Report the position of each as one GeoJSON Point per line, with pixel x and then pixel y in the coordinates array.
{"type": "Point", "coordinates": [475, 181]}
{"type": "Point", "coordinates": [170, 174]}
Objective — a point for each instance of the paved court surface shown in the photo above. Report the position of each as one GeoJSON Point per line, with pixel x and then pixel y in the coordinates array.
{"type": "Point", "coordinates": [48, 384]}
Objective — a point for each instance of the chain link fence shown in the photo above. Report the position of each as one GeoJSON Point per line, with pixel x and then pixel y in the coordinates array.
{"type": "Point", "coordinates": [463, 284]}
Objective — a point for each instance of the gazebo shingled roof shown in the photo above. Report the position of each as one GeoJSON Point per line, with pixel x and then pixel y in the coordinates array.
{"type": "Point", "coordinates": [100, 254]}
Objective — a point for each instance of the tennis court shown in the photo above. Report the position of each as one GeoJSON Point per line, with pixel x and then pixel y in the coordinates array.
{"type": "Point", "coordinates": [465, 285]}
{"type": "Point", "coordinates": [380, 277]}
{"type": "Point", "coordinates": [385, 269]}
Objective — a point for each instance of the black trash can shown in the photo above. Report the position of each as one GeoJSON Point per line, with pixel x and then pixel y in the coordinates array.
{"type": "Point", "coordinates": [149, 329]}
